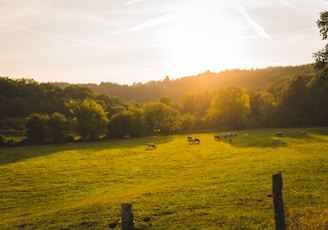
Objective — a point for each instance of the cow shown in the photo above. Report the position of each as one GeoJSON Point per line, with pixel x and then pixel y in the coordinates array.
{"type": "Point", "coordinates": [279, 134]}
{"type": "Point", "coordinates": [151, 146]}
{"type": "Point", "coordinates": [196, 140]}
{"type": "Point", "coordinates": [192, 140]}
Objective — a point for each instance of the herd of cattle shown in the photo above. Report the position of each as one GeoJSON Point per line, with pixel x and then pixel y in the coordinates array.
{"type": "Point", "coordinates": [228, 136]}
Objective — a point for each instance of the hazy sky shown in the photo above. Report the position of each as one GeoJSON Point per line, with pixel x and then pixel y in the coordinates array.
{"type": "Point", "coordinates": [126, 41]}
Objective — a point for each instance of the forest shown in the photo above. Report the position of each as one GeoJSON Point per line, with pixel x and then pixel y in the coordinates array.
{"type": "Point", "coordinates": [290, 96]}
{"type": "Point", "coordinates": [236, 99]}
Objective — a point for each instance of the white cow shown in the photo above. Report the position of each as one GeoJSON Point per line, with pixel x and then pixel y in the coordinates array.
{"type": "Point", "coordinates": [151, 146]}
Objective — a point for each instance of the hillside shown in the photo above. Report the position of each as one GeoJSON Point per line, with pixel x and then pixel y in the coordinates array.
{"type": "Point", "coordinates": [254, 79]}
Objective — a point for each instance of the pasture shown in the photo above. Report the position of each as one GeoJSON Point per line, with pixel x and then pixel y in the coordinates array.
{"type": "Point", "coordinates": [211, 185]}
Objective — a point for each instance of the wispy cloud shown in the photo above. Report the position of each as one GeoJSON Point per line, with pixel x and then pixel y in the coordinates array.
{"type": "Point", "coordinates": [252, 23]}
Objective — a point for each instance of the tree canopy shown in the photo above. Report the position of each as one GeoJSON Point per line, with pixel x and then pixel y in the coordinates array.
{"type": "Point", "coordinates": [89, 118]}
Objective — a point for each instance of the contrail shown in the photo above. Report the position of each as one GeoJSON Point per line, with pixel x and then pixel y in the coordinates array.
{"type": "Point", "coordinates": [258, 29]}
{"type": "Point", "coordinates": [67, 38]}
{"type": "Point", "coordinates": [132, 2]}
{"type": "Point", "coordinates": [154, 22]}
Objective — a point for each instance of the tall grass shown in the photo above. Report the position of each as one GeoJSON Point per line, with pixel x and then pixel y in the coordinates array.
{"type": "Point", "coordinates": [211, 185]}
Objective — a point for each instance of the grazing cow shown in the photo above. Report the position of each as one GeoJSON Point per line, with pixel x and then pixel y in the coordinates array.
{"type": "Point", "coordinates": [217, 138]}
{"type": "Point", "coordinates": [224, 135]}
{"type": "Point", "coordinates": [279, 134]}
{"type": "Point", "coordinates": [151, 146]}
{"type": "Point", "coordinates": [196, 140]}
{"type": "Point", "coordinates": [192, 140]}
{"type": "Point", "coordinates": [246, 135]}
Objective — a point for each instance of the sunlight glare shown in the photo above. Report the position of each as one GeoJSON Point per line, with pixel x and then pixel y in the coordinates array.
{"type": "Point", "coordinates": [202, 39]}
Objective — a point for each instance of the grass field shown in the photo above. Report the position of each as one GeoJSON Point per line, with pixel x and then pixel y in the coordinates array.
{"type": "Point", "coordinates": [211, 185]}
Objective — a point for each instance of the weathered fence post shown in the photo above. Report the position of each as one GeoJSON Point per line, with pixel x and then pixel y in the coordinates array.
{"type": "Point", "coordinates": [127, 217]}
{"type": "Point", "coordinates": [277, 201]}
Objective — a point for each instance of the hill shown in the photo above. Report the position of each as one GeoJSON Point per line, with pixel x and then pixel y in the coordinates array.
{"type": "Point", "coordinates": [254, 79]}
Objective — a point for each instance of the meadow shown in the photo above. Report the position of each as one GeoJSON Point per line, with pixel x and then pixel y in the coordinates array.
{"type": "Point", "coordinates": [211, 185]}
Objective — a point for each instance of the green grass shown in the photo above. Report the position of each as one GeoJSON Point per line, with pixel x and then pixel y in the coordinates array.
{"type": "Point", "coordinates": [211, 185]}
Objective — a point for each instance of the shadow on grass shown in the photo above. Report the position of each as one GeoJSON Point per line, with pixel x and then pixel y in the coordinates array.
{"type": "Point", "coordinates": [259, 138]}
{"type": "Point", "coordinates": [10, 155]}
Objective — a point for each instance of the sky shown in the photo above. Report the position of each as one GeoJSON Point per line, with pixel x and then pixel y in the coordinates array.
{"type": "Point", "coordinates": [136, 41]}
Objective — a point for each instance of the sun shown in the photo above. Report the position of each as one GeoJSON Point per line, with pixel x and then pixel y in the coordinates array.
{"type": "Point", "coordinates": [203, 39]}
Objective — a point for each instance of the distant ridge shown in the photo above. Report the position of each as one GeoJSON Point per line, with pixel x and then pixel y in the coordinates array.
{"type": "Point", "coordinates": [253, 79]}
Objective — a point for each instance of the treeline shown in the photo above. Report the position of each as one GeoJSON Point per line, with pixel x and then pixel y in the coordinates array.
{"type": "Point", "coordinates": [256, 80]}
{"type": "Point", "coordinates": [49, 113]}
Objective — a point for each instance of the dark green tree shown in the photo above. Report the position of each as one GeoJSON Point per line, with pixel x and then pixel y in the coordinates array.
{"type": "Point", "coordinates": [58, 128]}
{"type": "Point", "coordinates": [78, 92]}
{"type": "Point", "coordinates": [318, 97]}
{"type": "Point", "coordinates": [321, 57]}
{"type": "Point", "coordinates": [255, 104]}
{"type": "Point", "coordinates": [37, 127]}
{"type": "Point", "coordinates": [89, 118]}
{"type": "Point", "coordinates": [141, 123]}
{"type": "Point", "coordinates": [319, 87]}
{"type": "Point", "coordinates": [292, 110]}
{"type": "Point", "coordinates": [268, 110]}
{"type": "Point", "coordinates": [123, 124]}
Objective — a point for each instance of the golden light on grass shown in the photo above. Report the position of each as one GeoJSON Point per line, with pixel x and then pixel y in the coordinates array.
{"type": "Point", "coordinates": [214, 184]}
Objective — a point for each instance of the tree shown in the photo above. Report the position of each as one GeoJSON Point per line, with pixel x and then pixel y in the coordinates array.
{"type": "Point", "coordinates": [36, 127]}
{"type": "Point", "coordinates": [89, 118]}
{"type": "Point", "coordinates": [160, 117]}
{"type": "Point", "coordinates": [255, 104]}
{"type": "Point", "coordinates": [78, 92]}
{"type": "Point", "coordinates": [122, 124]}
{"type": "Point", "coordinates": [292, 111]}
{"type": "Point", "coordinates": [229, 109]}
{"type": "Point", "coordinates": [321, 57]}
{"type": "Point", "coordinates": [165, 100]}
{"type": "Point", "coordinates": [141, 123]}
{"type": "Point", "coordinates": [170, 120]}
{"type": "Point", "coordinates": [188, 122]}
{"type": "Point", "coordinates": [268, 110]}
{"type": "Point", "coordinates": [197, 103]}
{"type": "Point", "coordinates": [58, 128]}
{"type": "Point", "coordinates": [318, 88]}
{"type": "Point", "coordinates": [189, 103]}
{"type": "Point", "coordinates": [318, 96]}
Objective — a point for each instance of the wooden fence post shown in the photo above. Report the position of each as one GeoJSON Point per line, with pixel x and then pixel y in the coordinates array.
{"type": "Point", "coordinates": [127, 217]}
{"type": "Point", "coordinates": [277, 201]}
